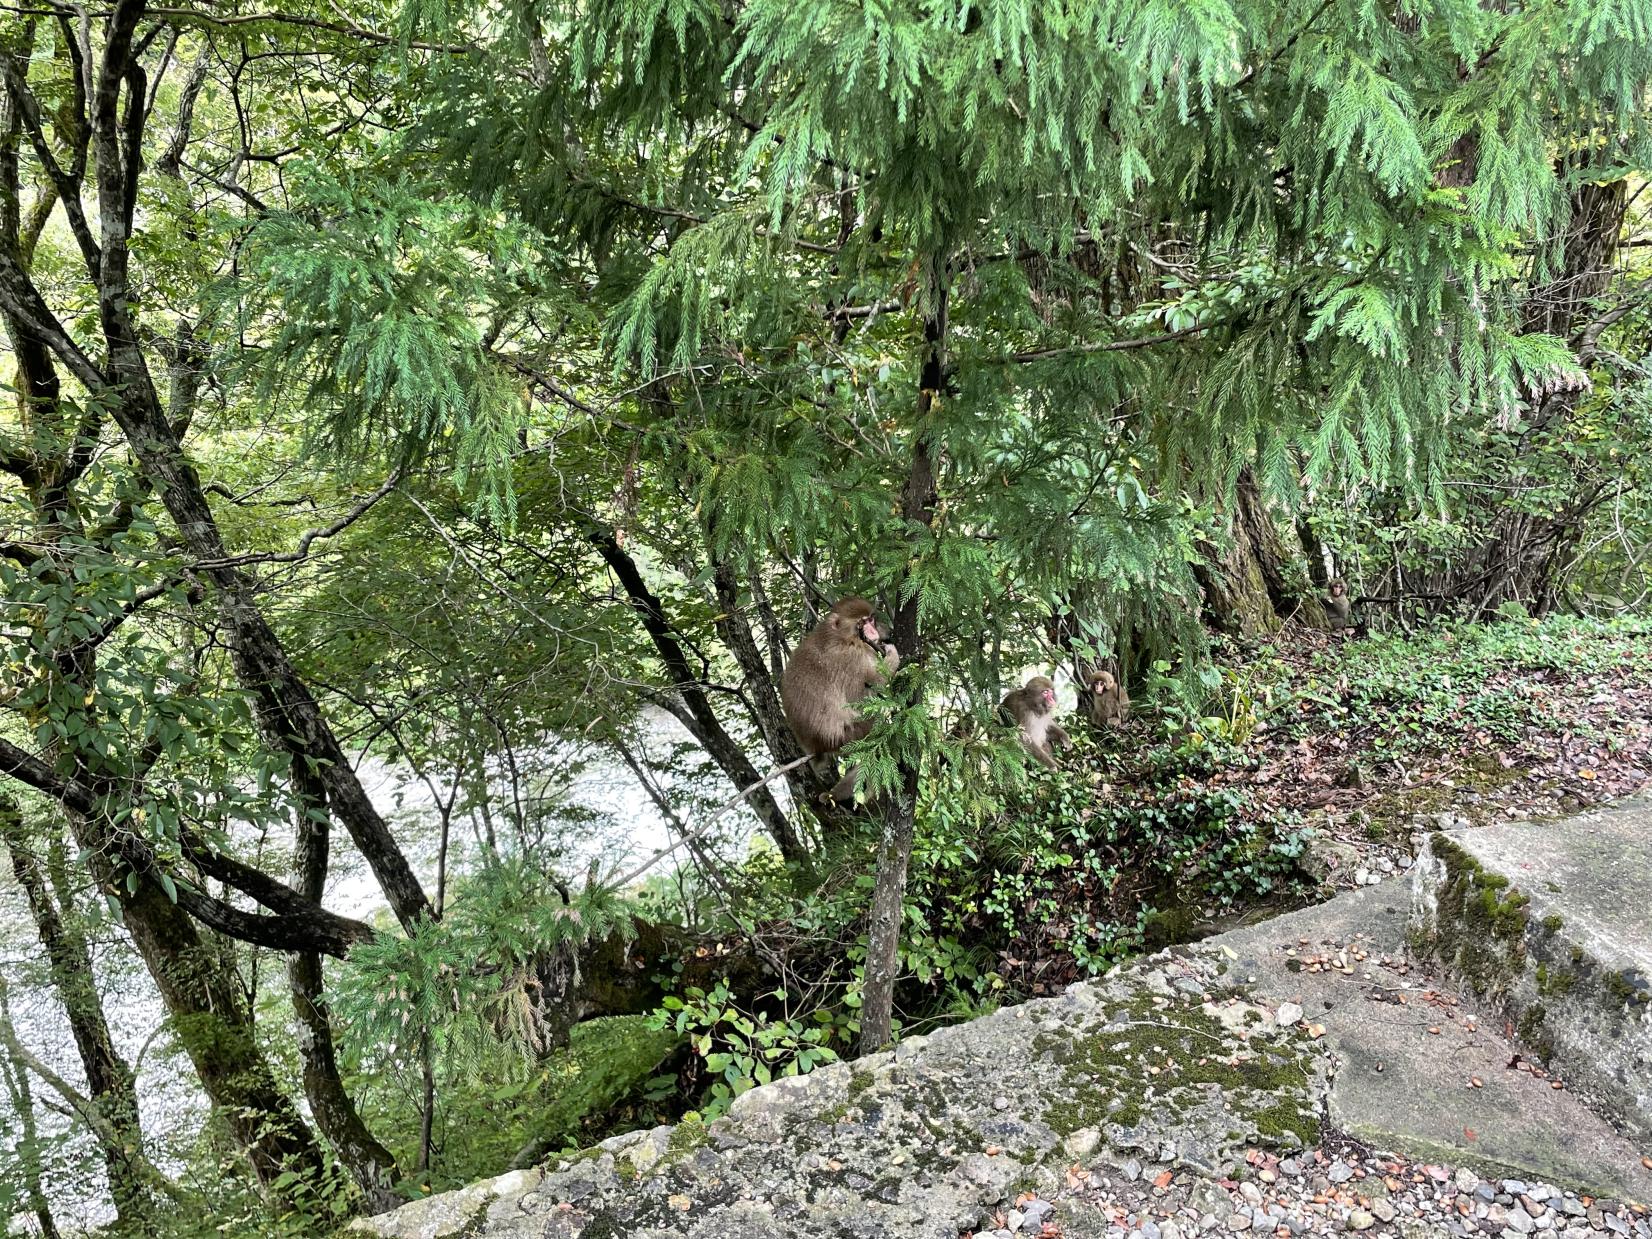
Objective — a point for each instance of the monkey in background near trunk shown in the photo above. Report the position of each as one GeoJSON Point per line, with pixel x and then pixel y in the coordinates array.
{"type": "Point", "coordinates": [1109, 703]}
{"type": "Point", "coordinates": [837, 664]}
{"type": "Point", "coordinates": [1338, 606]}
{"type": "Point", "coordinates": [1032, 707]}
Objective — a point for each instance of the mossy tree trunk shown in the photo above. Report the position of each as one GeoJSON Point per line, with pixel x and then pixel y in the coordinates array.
{"type": "Point", "coordinates": [1258, 578]}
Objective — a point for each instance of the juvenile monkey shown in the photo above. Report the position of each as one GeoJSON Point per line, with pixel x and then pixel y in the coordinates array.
{"type": "Point", "coordinates": [1337, 607]}
{"type": "Point", "coordinates": [837, 664]}
{"type": "Point", "coordinates": [1109, 703]}
{"type": "Point", "coordinates": [1032, 708]}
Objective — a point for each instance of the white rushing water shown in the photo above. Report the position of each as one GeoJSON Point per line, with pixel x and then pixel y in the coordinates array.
{"type": "Point", "coordinates": [607, 815]}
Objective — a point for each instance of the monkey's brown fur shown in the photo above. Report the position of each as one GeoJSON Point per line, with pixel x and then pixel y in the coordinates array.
{"type": "Point", "coordinates": [1109, 703]}
{"type": "Point", "coordinates": [1337, 607]}
{"type": "Point", "coordinates": [1032, 707]}
{"type": "Point", "coordinates": [832, 668]}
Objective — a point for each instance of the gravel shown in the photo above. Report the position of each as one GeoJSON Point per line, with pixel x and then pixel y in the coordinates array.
{"type": "Point", "coordinates": [1330, 1192]}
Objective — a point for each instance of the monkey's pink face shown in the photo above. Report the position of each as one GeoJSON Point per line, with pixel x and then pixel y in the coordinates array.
{"type": "Point", "coordinates": [869, 631]}
{"type": "Point", "coordinates": [1049, 696]}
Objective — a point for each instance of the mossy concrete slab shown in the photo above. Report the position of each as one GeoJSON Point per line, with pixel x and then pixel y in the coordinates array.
{"type": "Point", "coordinates": [1550, 924]}
{"type": "Point", "coordinates": [1158, 1061]}
{"type": "Point", "coordinates": [1408, 1051]}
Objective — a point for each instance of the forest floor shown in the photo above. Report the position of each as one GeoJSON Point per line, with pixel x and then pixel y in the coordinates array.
{"type": "Point", "coordinates": [1372, 740]}
{"type": "Point", "coordinates": [1317, 763]}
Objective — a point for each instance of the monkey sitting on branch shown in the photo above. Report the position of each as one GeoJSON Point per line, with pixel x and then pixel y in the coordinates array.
{"type": "Point", "coordinates": [842, 659]}
{"type": "Point", "coordinates": [1032, 708]}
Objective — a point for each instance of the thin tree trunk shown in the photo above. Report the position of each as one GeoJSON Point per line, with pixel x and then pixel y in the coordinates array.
{"type": "Point", "coordinates": [918, 500]}
{"type": "Point", "coordinates": [108, 1076]}
{"type": "Point", "coordinates": [702, 720]}
{"type": "Point", "coordinates": [370, 1164]}
{"type": "Point", "coordinates": [21, 1096]}
{"type": "Point", "coordinates": [427, 1107]}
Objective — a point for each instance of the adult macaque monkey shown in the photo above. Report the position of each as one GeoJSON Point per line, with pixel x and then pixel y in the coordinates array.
{"type": "Point", "coordinates": [1109, 703]}
{"type": "Point", "coordinates": [1033, 708]}
{"type": "Point", "coordinates": [1338, 608]}
{"type": "Point", "coordinates": [837, 664]}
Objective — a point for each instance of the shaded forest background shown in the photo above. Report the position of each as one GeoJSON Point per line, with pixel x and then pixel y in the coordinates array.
{"type": "Point", "coordinates": [494, 393]}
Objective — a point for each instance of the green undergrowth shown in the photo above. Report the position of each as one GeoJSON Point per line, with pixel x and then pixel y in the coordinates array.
{"type": "Point", "coordinates": [1397, 693]}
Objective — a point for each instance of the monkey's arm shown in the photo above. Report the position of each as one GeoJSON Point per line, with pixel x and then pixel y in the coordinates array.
{"type": "Point", "coordinates": [1058, 734]}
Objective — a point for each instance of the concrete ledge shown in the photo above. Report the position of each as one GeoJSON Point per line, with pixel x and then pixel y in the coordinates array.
{"type": "Point", "coordinates": [1550, 924]}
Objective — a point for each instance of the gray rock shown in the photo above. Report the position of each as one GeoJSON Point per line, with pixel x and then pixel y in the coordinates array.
{"type": "Point", "coordinates": [1359, 1219]}
{"type": "Point", "coordinates": [1383, 1209]}
{"type": "Point", "coordinates": [1327, 860]}
{"type": "Point", "coordinates": [1520, 1221]}
{"type": "Point", "coordinates": [1340, 1172]}
{"type": "Point", "coordinates": [1238, 1221]}
{"type": "Point", "coordinates": [1082, 1143]}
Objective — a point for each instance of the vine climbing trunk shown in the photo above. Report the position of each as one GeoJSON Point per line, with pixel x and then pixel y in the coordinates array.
{"type": "Point", "coordinates": [918, 501]}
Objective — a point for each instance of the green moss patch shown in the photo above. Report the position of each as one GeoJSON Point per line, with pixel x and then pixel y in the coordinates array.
{"type": "Point", "coordinates": [1161, 1063]}
{"type": "Point", "coordinates": [1480, 929]}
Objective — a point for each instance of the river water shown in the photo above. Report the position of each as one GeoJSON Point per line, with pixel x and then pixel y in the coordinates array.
{"type": "Point", "coordinates": [610, 816]}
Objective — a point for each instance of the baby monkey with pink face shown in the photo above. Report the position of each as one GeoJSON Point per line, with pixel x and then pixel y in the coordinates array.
{"type": "Point", "coordinates": [1032, 707]}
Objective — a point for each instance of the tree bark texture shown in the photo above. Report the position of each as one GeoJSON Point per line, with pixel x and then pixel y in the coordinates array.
{"type": "Point", "coordinates": [918, 501]}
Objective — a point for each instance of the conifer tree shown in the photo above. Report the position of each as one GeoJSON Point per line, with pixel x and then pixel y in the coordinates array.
{"type": "Point", "coordinates": [944, 301]}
